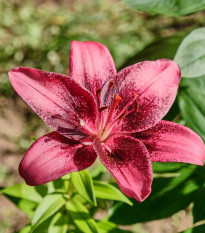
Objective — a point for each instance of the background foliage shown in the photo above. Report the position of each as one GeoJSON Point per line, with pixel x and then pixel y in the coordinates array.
{"type": "Point", "coordinates": [38, 34]}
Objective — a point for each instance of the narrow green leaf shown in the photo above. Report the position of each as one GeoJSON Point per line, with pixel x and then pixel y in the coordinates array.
{"type": "Point", "coordinates": [104, 190]}
{"type": "Point", "coordinates": [198, 229]}
{"type": "Point", "coordinates": [26, 229]}
{"type": "Point", "coordinates": [81, 218]}
{"type": "Point", "coordinates": [83, 183]}
{"type": "Point", "coordinates": [192, 107]}
{"type": "Point", "coordinates": [191, 54]}
{"type": "Point", "coordinates": [59, 223]}
{"type": "Point", "coordinates": [168, 7]}
{"type": "Point", "coordinates": [25, 191]}
{"type": "Point", "coordinates": [47, 207]}
{"type": "Point", "coordinates": [106, 226]}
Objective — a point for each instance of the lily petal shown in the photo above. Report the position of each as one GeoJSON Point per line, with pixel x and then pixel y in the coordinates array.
{"type": "Point", "coordinates": [61, 102]}
{"type": "Point", "coordinates": [53, 156]}
{"type": "Point", "coordinates": [171, 142]}
{"type": "Point", "coordinates": [127, 159]}
{"type": "Point", "coordinates": [91, 64]}
{"type": "Point", "coordinates": [155, 85]}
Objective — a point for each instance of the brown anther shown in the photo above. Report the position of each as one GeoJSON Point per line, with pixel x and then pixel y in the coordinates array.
{"type": "Point", "coordinates": [123, 115]}
{"type": "Point", "coordinates": [103, 108]}
{"type": "Point", "coordinates": [111, 84]}
{"type": "Point", "coordinates": [136, 106]}
{"type": "Point", "coordinates": [98, 92]}
{"type": "Point", "coordinates": [117, 98]}
{"type": "Point", "coordinates": [133, 95]}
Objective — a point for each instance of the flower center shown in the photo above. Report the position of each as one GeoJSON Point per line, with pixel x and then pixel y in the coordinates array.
{"type": "Point", "coordinates": [107, 123]}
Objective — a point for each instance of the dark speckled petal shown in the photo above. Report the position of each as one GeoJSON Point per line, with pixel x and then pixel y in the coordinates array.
{"type": "Point", "coordinates": [91, 64]}
{"type": "Point", "coordinates": [128, 161]}
{"type": "Point", "coordinates": [53, 156]}
{"type": "Point", "coordinates": [57, 99]}
{"type": "Point", "coordinates": [171, 142]}
{"type": "Point", "coordinates": [155, 84]}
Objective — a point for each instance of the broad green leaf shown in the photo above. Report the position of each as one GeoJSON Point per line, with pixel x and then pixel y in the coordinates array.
{"type": "Point", "coordinates": [190, 55]}
{"type": "Point", "coordinates": [47, 207]}
{"type": "Point", "coordinates": [198, 229]}
{"type": "Point", "coordinates": [22, 190]}
{"type": "Point", "coordinates": [198, 82]}
{"type": "Point", "coordinates": [104, 190]}
{"type": "Point", "coordinates": [27, 206]}
{"type": "Point", "coordinates": [192, 107]}
{"type": "Point", "coordinates": [199, 207]}
{"type": "Point", "coordinates": [162, 48]}
{"type": "Point", "coordinates": [26, 229]}
{"type": "Point", "coordinates": [167, 167]}
{"type": "Point", "coordinates": [168, 196]}
{"type": "Point", "coordinates": [106, 226]}
{"type": "Point", "coordinates": [81, 218]}
{"type": "Point", "coordinates": [57, 186]}
{"type": "Point", "coordinates": [59, 223]}
{"type": "Point", "coordinates": [168, 7]}
{"type": "Point", "coordinates": [83, 183]}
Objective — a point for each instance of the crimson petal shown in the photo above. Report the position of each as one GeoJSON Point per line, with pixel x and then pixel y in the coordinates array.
{"type": "Point", "coordinates": [91, 64]}
{"type": "Point", "coordinates": [57, 99]}
{"type": "Point", "coordinates": [171, 142]}
{"type": "Point", "coordinates": [128, 161]}
{"type": "Point", "coordinates": [155, 84]}
{"type": "Point", "coordinates": [53, 156]}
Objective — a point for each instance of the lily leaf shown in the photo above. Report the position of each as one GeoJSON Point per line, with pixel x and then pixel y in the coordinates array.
{"type": "Point", "coordinates": [59, 223]}
{"type": "Point", "coordinates": [47, 207]}
{"type": "Point", "coordinates": [83, 183]}
{"type": "Point", "coordinates": [198, 229]}
{"type": "Point", "coordinates": [168, 7]}
{"type": "Point", "coordinates": [192, 107]}
{"type": "Point", "coordinates": [24, 191]}
{"type": "Point", "coordinates": [191, 54]}
{"type": "Point", "coordinates": [81, 218]}
{"type": "Point", "coordinates": [104, 190]}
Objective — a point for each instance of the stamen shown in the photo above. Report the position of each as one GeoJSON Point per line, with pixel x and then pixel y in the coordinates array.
{"type": "Point", "coordinates": [115, 102]}
{"type": "Point", "coordinates": [123, 115]}
{"type": "Point", "coordinates": [136, 106]}
{"type": "Point", "coordinates": [111, 84]}
{"type": "Point", "coordinates": [98, 92]}
{"type": "Point", "coordinates": [103, 108]}
{"type": "Point", "coordinates": [109, 92]}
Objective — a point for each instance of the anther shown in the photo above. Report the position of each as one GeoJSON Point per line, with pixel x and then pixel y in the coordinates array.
{"type": "Point", "coordinates": [123, 115]}
{"type": "Point", "coordinates": [133, 95]}
{"type": "Point", "coordinates": [103, 108]}
{"type": "Point", "coordinates": [136, 106]}
{"type": "Point", "coordinates": [98, 92]}
{"type": "Point", "coordinates": [111, 84]}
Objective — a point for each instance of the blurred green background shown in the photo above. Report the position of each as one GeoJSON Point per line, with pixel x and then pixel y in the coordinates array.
{"type": "Point", "coordinates": [38, 34]}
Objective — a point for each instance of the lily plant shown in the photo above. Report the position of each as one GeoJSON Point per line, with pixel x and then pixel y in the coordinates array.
{"type": "Point", "coordinates": [96, 111]}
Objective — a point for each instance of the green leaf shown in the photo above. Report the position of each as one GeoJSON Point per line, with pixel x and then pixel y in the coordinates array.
{"type": "Point", "coordinates": [106, 226]}
{"type": "Point", "coordinates": [168, 7]}
{"type": "Point", "coordinates": [198, 229]}
{"type": "Point", "coordinates": [83, 183]}
{"type": "Point", "coordinates": [198, 82]}
{"type": "Point", "coordinates": [81, 218]}
{"type": "Point", "coordinates": [104, 190]}
{"type": "Point", "coordinates": [168, 196]}
{"type": "Point", "coordinates": [162, 48]}
{"type": "Point", "coordinates": [47, 207]}
{"type": "Point", "coordinates": [158, 167]}
{"type": "Point", "coordinates": [191, 54]}
{"type": "Point", "coordinates": [192, 107]}
{"type": "Point", "coordinates": [56, 186]}
{"type": "Point", "coordinates": [199, 208]}
{"type": "Point", "coordinates": [26, 229]}
{"type": "Point", "coordinates": [25, 191]}
{"type": "Point", "coordinates": [59, 223]}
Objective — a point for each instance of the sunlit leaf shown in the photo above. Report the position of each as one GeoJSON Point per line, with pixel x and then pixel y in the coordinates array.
{"type": "Point", "coordinates": [191, 54]}
{"type": "Point", "coordinates": [83, 183]}
{"type": "Point", "coordinates": [47, 207]}
{"type": "Point", "coordinates": [81, 218]}
{"type": "Point", "coordinates": [104, 190]}
{"type": "Point", "coordinates": [59, 223]}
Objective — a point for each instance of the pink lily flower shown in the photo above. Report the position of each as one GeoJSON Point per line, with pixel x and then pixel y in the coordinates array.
{"type": "Point", "coordinates": [99, 112]}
